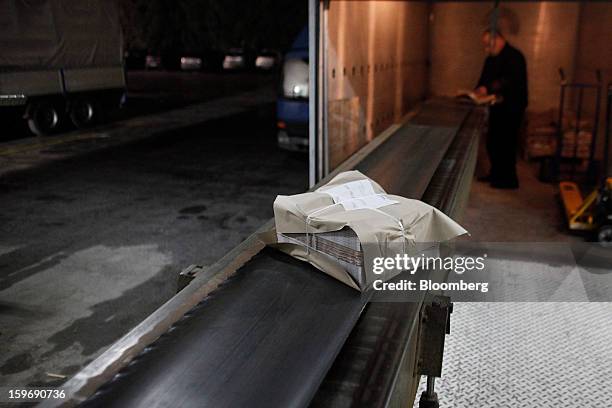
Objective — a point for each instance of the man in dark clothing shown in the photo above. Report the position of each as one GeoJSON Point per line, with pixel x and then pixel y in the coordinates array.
{"type": "Point", "coordinates": [504, 75]}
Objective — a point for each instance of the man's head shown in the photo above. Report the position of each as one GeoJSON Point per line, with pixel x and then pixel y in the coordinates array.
{"type": "Point", "coordinates": [493, 42]}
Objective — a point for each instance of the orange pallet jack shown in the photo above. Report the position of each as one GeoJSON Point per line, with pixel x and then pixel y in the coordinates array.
{"type": "Point", "coordinates": [594, 213]}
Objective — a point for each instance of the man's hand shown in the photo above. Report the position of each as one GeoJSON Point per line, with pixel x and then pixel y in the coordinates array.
{"type": "Point", "coordinates": [481, 91]}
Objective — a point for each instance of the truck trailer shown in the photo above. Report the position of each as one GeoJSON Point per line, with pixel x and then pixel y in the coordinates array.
{"type": "Point", "coordinates": [61, 60]}
{"type": "Point", "coordinates": [292, 104]}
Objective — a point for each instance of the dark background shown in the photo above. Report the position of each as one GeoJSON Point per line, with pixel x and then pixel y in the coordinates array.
{"type": "Point", "coordinates": [197, 26]}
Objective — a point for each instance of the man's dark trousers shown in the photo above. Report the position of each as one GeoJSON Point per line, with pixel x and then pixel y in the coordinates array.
{"type": "Point", "coordinates": [502, 142]}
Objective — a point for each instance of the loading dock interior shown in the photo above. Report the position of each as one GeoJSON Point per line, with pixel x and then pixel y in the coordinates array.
{"type": "Point", "coordinates": [259, 328]}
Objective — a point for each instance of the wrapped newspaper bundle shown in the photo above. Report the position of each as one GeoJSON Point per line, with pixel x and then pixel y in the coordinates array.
{"type": "Point", "coordinates": [342, 227]}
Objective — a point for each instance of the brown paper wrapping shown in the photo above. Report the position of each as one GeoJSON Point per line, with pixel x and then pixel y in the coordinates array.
{"type": "Point", "coordinates": [378, 230]}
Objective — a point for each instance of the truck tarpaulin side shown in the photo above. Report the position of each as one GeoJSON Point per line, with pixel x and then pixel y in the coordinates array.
{"type": "Point", "coordinates": [54, 34]}
{"type": "Point", "coordinates": [59, 46]}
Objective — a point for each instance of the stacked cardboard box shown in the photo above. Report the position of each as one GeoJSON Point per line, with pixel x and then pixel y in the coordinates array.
{"type": "Point", "coordinates": [540, 135]}
{"type": "Point", "coordinates": [579, 147]}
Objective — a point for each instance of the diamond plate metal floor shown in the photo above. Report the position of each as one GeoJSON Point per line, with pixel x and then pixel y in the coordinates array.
{"type": "Point", "coordinates": [527, 355]}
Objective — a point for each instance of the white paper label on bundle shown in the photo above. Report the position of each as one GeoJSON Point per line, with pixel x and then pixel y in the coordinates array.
{"type": "Point", "coordinates": [371, 201]}
{"type": "Point", "coordinates": [350, 190]}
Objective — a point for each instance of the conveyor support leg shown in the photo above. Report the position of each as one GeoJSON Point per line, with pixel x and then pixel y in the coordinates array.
{"type": "Point", "coordinates": [435, 325]}
{"type": "Point", "coordinates": [429, 398]}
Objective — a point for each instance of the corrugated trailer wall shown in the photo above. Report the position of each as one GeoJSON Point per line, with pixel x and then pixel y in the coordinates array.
{"type": "Point", "coordinates": [377, 52]}
{"type": "Point", "coordinates": [574, 36]}
{"type": "Point", "coordinates": [546, 32]}
{"type": "Point", "coordinates": [376, 69]}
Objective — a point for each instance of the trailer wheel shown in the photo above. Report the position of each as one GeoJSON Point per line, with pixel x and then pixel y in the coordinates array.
{"type": "Point", "coordinates": [43, 118]}
{"type": "Point", "coordinates": [83, 112]}
{"type": "Point", "coordinates": [604, 236]}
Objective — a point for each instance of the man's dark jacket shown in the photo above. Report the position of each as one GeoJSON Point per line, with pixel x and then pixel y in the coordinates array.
{"type": "Point", "coordinates": [505, 75]}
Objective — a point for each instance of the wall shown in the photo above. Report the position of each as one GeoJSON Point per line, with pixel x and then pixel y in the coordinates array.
{"type": "Point", "coordinates": [375, 69]}
{"type": "Point", "coordinates": [595, 52]}
{"type": "Point", "coordinates": [546, 33]}
{"type": "Point", "coordinates": [378, 53]}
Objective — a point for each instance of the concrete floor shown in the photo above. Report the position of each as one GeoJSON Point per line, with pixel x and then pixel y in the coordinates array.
{"type": "Point", "coordinates": [92, 244]}
{"type": "Point", "coordinates": [527, 354]}
{"type": "Point", "coordinates": [532, 213]}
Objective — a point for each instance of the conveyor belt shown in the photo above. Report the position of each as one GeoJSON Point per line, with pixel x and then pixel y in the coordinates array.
{"type": "Point", "coordinates": [405, 164]}
{"type": "Point", "coordinates": [268, 335]}
{"type": "Point", "coordinates": [376, 364]}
